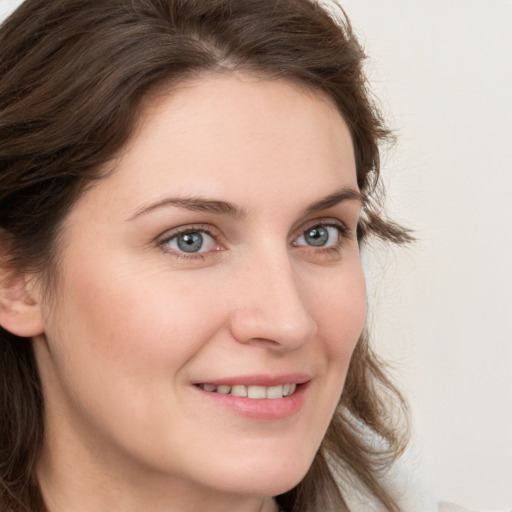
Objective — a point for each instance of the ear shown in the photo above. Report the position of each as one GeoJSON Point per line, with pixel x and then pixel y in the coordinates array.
{"type": "Point", "coordinates": [20, 313]}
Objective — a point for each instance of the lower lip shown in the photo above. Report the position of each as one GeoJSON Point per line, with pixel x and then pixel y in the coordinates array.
{"type": "Point", "coordinates": [266, 409]}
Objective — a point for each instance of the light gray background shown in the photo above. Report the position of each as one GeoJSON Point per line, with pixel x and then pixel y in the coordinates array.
{"type": "Point", "coordinates": [441, 311]}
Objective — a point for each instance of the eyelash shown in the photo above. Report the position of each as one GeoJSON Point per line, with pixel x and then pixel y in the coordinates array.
{"type": "Point", "coordinates": [343, 232]}
{"type": "Point", "coordinates": [194, 228]}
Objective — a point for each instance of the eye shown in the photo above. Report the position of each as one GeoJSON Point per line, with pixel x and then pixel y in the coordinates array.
{"type": "Point", "coordinates": [191, 241]}
{"type": "Point", "coordinates": [321, 235]}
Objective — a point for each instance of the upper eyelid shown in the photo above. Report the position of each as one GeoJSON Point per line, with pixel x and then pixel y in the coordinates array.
{"type": "Point", "coordinates": [323, 221]}
{"type": "Point", "coordinates": [188, 228]}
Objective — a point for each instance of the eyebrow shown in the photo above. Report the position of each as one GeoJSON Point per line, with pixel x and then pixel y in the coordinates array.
{"type": "Point", "coordinates": [343, 194]}
{"type": "Point", "coordinates": [216, 207]}
{"type": "Point", "coordinates": [195, 204]}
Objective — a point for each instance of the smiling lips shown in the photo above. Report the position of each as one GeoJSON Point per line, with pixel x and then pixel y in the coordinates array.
{"type": "Point", "coordinates": [257, 402]}
{"type": "Point", "coordinates": [260, 397]}
{"type": "Point", "coordinates": [254, 392]}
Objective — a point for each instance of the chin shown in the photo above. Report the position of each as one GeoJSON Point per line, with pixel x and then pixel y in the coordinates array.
{"type": "Point", "coordinates": [265, 485]}
{"type": "Point", "coordinates": [270, 477]}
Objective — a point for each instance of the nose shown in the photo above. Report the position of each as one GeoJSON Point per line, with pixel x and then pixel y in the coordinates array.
{"type": "Point", "coordinates": [270, 306]}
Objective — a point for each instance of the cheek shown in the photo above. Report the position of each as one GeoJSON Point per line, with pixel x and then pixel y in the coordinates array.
{"type": "Point", "coordinates": [340, 311]}
{"type": "Point", "coordinates": [118, 347]}
{"type": "Point", "coordinates": [144, 319]}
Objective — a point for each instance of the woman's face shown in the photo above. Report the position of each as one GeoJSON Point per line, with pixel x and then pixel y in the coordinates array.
{"type": "Point", "coordinates": [219, 258]}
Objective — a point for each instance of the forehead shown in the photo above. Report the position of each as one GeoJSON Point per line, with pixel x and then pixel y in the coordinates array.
{"type": "Point", "coordinates": [236, 134]}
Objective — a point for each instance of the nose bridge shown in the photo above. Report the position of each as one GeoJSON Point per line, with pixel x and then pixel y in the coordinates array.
{"type": "Point", "coordinates": [270, 305]}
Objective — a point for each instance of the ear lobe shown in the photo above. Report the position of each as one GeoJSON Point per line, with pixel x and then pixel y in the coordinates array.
{"type": "Point", "coordinates": [20, 313]}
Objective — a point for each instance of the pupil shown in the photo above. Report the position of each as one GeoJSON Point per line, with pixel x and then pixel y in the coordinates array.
{"type": "Point", "coordinates": [190, 242]}
{"type": "Point", "coordinates": [317, 236]}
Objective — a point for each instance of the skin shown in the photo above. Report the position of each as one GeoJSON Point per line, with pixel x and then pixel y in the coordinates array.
{"type": "Point", "coordinates": [136, 323]}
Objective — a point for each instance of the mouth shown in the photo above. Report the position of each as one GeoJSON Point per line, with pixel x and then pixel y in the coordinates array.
{"type": "Point", "coordinates": [258, 397]}
{"type": "Point", "coordinates": [251, 391]}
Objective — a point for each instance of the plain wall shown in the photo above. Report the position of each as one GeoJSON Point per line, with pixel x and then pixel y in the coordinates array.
{"type": "Point", "coordinates": [441, 310]}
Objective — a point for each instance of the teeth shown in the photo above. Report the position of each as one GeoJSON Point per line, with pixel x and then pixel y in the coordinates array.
{"type": "Point", "coordinates": [239, 390]}
{"type": "Point", "coordinates": [255, 392]}
{"type": "Point", "coordinates": [275, 392]}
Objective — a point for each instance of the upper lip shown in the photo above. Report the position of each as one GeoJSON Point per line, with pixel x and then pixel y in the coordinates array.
{"type": "Point", "coordinates": [259, 380]}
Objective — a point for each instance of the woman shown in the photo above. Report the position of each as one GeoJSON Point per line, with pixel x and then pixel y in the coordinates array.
{"type": "Point", "coordinates": [185, 187]}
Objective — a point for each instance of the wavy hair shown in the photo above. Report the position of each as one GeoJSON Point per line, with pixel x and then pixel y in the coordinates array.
{"type": "Point", "coordinates": [73, 78]}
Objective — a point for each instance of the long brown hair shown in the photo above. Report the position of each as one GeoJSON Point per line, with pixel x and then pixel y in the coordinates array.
{"type": "Point", "coordinates": [73, 74]}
